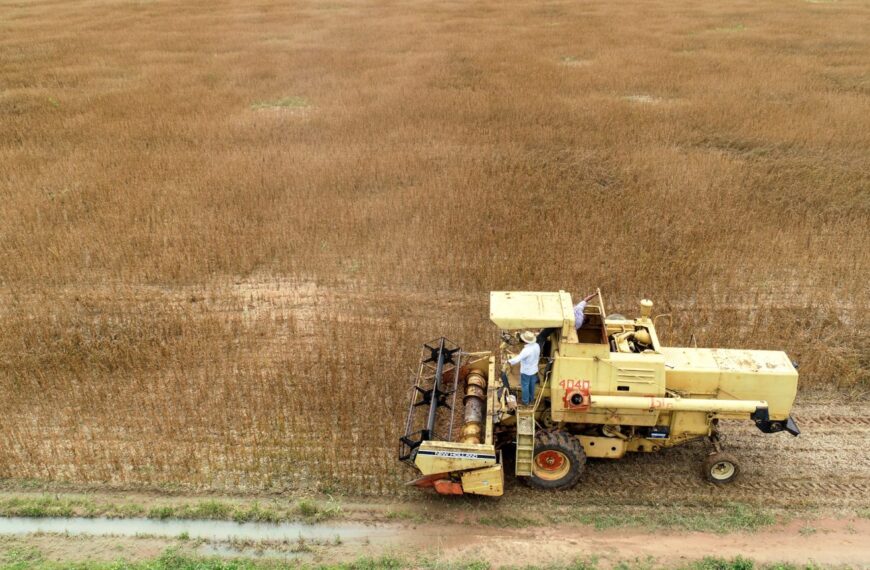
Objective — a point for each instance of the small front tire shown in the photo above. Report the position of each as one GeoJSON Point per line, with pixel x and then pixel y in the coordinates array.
{"type": "Point", "coordinates": [721, 468]}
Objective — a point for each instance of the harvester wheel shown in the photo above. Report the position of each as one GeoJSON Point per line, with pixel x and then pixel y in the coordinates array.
{"type": "Point", "coordinates": [721, 468]}
{"type": "Point", "coordinates": [558, 462]}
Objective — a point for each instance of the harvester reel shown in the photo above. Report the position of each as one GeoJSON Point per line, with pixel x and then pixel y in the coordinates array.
{"type": "Point", "coordinates": [558, 462]}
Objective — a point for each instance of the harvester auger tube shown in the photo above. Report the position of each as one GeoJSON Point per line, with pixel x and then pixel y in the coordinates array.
{"type": "Point", "coordinates": [665, 403]}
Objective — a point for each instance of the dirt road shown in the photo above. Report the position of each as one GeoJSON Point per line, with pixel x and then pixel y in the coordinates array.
{"type": "Point", "coordinates": [827, 542]}
{"type": "Point", "coordinates": [830, 542]}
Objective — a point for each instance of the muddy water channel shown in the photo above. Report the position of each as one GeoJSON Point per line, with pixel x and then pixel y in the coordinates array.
{"type": "Point", "coordinates": [194, 529]}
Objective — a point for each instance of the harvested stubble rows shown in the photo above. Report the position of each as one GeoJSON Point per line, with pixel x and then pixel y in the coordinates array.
{"type": "Point", "coordinates": [225, 228]}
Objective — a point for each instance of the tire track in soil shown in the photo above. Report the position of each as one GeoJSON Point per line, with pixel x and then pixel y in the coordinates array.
{"type": "Point", "coordinates": [832, 420]}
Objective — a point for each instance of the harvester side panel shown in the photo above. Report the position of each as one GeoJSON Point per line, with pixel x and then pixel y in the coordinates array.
{"type": "Point", "coordinates": [734, 375]}
{"type": "Point", "coordinates": [613, 374]}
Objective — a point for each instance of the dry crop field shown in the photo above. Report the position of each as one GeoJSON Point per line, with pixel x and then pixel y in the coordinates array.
{"type": "Point", "coordinates": [226, 227]}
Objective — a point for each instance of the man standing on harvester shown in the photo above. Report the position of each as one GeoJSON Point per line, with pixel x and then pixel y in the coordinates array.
{"type": "Point", "coordinates": [531, 354]}
{"type": "Point", "coordinates": [528, 359]}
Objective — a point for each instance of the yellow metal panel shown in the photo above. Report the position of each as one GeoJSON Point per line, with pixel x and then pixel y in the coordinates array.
{"type": "Point", "coordinates": [569, 333]}
{"type": "Point", "coordinates": [646, 445]}
{"type": "Point", "coordinates": [771, 361]}
{"type": "Point", "coordinates": [491, 399]}
{"type": "Point", "coordinates": [608, 447]}
{"type": "Point", "coordinates": [444, 456]}
{"type": "Point", "coordinates": [636, 374]}
{"type": "Point", "coordinates": [605, 371]}
{"type": "Point", "coordinates": [487, 481]}
{"type": "Point", "coordinates": [695, 358]}
{"type": "Point", "coordinates": [584, 350]}
{"type": "Point", "coordinates": [734, 375]}
{"type": "Point", "coordinates": [695, 423]}
{"type": "Point", "coordinates": [526, 309]}
{"type": "Point", "coordinates": [574, 369]}
{"type": "Point", "coordinates": [692, 371]}
{"type": "Point", "coordinates": [610, 416]}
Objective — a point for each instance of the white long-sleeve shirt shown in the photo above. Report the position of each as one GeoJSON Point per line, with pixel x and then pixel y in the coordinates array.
{"type": "Point", "coordinates": [528, 358]}
{"type": "Point", "coordinates": [578, 314]}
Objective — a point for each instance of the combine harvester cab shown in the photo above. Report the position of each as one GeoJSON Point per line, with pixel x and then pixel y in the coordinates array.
{"type": "Point", "coordinates": [605, 389]}
{"type": "Point", "coordinates": [453, 459]}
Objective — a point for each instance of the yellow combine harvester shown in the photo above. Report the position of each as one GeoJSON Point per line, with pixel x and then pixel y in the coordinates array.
{"type": "Point", "coordinates": [604, 389]}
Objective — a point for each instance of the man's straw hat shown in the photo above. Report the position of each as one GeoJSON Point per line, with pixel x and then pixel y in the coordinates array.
{"type": "Point", "coordinates": [528, 337]}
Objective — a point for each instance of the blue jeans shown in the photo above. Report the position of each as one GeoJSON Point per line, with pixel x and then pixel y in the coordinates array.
{"type": "Point", "coordinates": [527, 382]}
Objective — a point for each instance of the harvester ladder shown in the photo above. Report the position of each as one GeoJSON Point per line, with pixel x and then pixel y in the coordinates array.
{"type": "Point", "coordinates": [526, 429]}
{"type": "Point", "coordinates": [525, 440]}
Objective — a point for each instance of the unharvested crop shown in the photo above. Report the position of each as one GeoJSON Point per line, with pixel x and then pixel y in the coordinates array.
{"type": "Point", "coordinates": [226, 228]}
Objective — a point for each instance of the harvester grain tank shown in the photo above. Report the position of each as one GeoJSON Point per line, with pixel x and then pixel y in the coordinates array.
{"type": "Point", "coordinates": [606, 389]}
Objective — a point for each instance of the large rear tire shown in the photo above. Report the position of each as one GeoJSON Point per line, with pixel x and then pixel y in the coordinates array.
{"type": "Point", "coordinates": [559, 460]}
